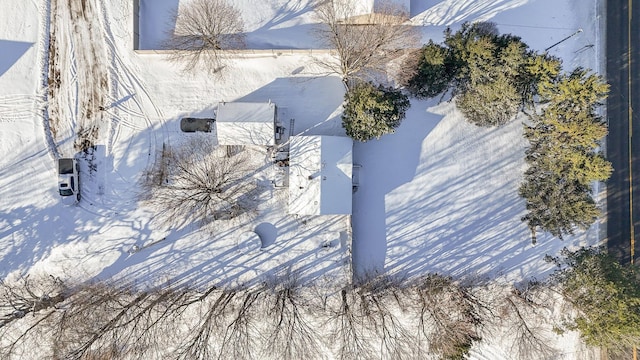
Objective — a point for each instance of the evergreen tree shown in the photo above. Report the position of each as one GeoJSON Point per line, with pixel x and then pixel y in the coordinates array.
{"type": "Point", "coordinates": [556, 205]}
{"type": "Point", "coordinates": [563, 156]}
{"type": "Point", "coordinates": [492, 77]}
{"type": "Point", "coordinates": [371, 111]}
{"type": "Point", "coordinates": [578, 91]}
{"type": "Point", "coordinates": [566, 145]}
{"type": "Point", "coordinates": [486, 72]}
{"type": "Point", "coordinates": [488, 85]}
{"type": "Point", "coordinates": [606, 295]}
{"type": "Point", "coordinates": [435, 73]}
{"type": "Point", "coordinates": [536, 69]}
{"type": "Point", "coordinates": [490, 103]}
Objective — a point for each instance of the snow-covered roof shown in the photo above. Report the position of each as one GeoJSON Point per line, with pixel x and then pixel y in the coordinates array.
{"type": "Point", "coordinates": [352, 9]}
{"type": "Point", "coordinates": [320, 169]}
{"type": "Point", "coordinates": [245, 123]}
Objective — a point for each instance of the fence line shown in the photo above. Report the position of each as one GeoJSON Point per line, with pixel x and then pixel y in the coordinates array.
{"type": "Point", "coordinates": [272, 52]}
{"type": "Point", "coordinates": [136, 24]}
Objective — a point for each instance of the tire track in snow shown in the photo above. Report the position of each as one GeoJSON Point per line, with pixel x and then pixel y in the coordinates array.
{"type": "Point", "coordinates": [78, 78]}
{"type": "Point", "coordinates": [125, 114]}
{"type": "Point", "coordinates": [94, 95]}
{"type": "Point", "coordinates": [19, 107]}
{"type": "Point", "coordinates": [44, 59]}
{"type": "Point", "coordinates": [126, 106]}
{"type": "Point", "coordinates": [78, 83]}
{"type": "Point", "coordinates": [93, 73]}
{"type": "Point", "coordinates": [139, 101]}
{"type": "Point", "coordinates": [130, 82]}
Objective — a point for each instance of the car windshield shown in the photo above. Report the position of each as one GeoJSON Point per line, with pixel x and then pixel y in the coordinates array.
{"type": "Point", "coordinates": [66, 192]}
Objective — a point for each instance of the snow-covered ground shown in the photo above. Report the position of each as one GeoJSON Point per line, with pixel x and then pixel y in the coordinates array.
{"type": "Point", "coordinates": [132, 117]}
{"type": "Point", "coordinates": [439, 195]}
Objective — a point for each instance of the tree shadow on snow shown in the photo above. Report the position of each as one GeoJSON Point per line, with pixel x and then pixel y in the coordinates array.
{"type": "Point", "coordinates": [386, 165]}
{"type": "Point", "coordinates": [455, 12]}
{"type": "Point", "coordinates": [461, 213]}
{"type": "Point", "coordinates": [276, 33]}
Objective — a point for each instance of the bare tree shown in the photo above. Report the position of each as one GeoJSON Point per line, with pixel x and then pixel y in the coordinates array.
{"type": "Point", "coordinates": [449, 316]}
{"type": "Point", "coordinates": [73, 326]}
{"type": "Point", "coordinates": [206, 31]}
{"type": "Point", "coordinates": [114, 321]}
{"type": "Point", "coordinates": [289, 330]}
{"type": "Point", "coordinates": [105, 320]}
{"type": "Point", "coordinates": [365, 321]}
{"type": "Point", "coordinates": [199, 181]}
{"type": "Point", "coordinates": [345, 320]}
{"type": "Point", "coordinates": [280, 319]}
{"type": "Point", "coordinates": [200, 340]}
{"type": "Point", "coordinates": [527, 314]}
{"type": "Point", "coordinates": [381, 301]}
{"type": "Point", "coordinates": [363, 44]}
{"type": "Point", "coordinates": [26, 296]}
{"type": "Point", "coordinates": [240, 337]}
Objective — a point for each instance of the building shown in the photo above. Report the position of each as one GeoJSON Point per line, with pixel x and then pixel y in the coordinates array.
{"type": "Point", "coordinates": [320, 175]}
{"type": "Point", "coordinates": [246, 123]}
{"type": "Point", "coordinates": [368, 11]}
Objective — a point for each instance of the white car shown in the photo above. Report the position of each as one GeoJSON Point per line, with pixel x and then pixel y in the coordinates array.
{"type": "Point", "coordinates": [69, 180]}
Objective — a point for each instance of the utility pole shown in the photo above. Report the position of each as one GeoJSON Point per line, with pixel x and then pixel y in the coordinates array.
{"type": "Point", "coordinates": [567, 38]}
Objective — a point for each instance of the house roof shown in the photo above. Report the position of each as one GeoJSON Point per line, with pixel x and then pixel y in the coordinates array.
{"type": "Point", "coordinates": [320, 170]}
{"type": "Point", "coordinates": [245, 123]}
{"type": "Point", "coordinates": [359, 11]}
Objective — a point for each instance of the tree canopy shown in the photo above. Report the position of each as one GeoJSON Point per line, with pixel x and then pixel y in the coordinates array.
{"type": "Point", "coordinates": [486, 72]}
{"type": "Point", "coordinates": [605, 294]}
{"type": "Point", "coordinates": [562, 156]}
{"type": "Point", "coordinates": [371, 111]}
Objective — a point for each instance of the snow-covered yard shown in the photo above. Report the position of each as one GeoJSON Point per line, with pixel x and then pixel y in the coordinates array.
{"type": "Point", "coordinates": [439, 195]}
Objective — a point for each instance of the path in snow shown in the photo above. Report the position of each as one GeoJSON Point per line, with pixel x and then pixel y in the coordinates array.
{"type": "Point", "coordinates": [98, 104]}
{"type": "Point", "coordinates": [78, 75]}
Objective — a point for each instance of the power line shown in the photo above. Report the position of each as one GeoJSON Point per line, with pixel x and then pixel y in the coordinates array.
{"type": "Point", "coordinates": [537, 27]}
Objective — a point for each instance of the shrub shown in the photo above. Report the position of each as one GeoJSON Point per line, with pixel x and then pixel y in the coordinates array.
{"type": "Point", "coordinates": [372, 111]}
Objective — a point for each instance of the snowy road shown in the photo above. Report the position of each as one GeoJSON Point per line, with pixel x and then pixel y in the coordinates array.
{"type": "Point", "coordinates": [124, 104]}
{"type": "Point", "coordinates": [623, 186]}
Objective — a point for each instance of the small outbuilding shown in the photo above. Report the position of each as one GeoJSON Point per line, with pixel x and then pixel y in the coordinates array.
{"type": "Point", "coordinates": [320, 175]}
{"type": "Point", "coordinates": [246, 123]}
{"type": "Point", "coordinates": [369, 11]}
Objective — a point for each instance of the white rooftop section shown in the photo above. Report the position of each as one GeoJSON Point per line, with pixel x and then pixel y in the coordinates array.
{"type": "Point", "coordinates": [246, 123]}
{"type": "Point", "coordinates": [352, 8]}
{"type": "Point", "coordinates": [320, 169]}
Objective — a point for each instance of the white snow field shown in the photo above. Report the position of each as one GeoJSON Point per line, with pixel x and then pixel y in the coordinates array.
{"type": "Point", "coordinates": [439, 195]}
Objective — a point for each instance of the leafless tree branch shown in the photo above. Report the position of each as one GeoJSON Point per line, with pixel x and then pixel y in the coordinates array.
{"type": "Point", "coordinates": [26, 296]}
{"type": "Point", "coordinates": [371, 320]}
{"type": "Point", "coordinates": [449, 315]}
{"type": "Point", "coordinates": [527, 316]}
{"type": "Point", "coordinates": [381, 302]}
{"type": "Point", "coordinates": [240, 335]}
{"type": "Point", "coordinates": [352, 341]}
{"type": "Point", "coordinates": [290, 334]}
{"type": "Point", "coordinates": [363, 44]}
{"type": "Point", "coordinates": [205, 34]}
{"type": "Point", "coordinates": [199, 182]}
